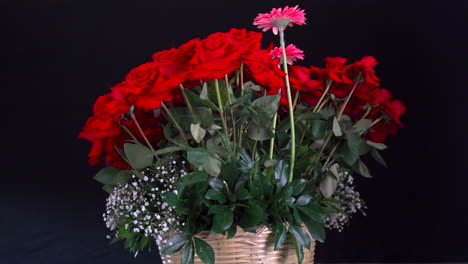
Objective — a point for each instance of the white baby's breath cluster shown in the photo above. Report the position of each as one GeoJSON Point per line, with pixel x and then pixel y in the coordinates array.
{"type": "Point", "coordinates": [140, 205]}
{"type": "Point", "coordinates": [351, 203]}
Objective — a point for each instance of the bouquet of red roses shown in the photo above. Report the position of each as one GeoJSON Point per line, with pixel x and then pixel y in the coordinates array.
{"type": "Point", "coordinates": [221, 134]}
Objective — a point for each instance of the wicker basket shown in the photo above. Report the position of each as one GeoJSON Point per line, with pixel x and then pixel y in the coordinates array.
{"type": "Point", "coordinates": [248, 248]}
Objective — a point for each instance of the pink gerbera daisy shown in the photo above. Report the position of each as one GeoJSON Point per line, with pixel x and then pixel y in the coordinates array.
{"type": "Point", "coordinates": [279, 19]}
{"type": "Point", "coordinates": [292, 53]}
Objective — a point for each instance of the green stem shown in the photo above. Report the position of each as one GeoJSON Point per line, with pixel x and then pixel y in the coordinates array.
{"type": "Point", "coordinates": [242, 78]}
{"type": "Point", "coordinates": [128, 132]}
{"type": "Point", "coordinates": [342, 109]}
{"type": "Point", "coordinates": [329, 156]}
{"type": "Point", "coordinates": [373, 123]}
{"type": "Point", "coordinates": [187, 101]}
{"type": "Point", "coordinates": [272, 140]}
{"type": "Point", "coordinates": [174, 121]}
{"type": "Point", "coordinates": [363, 117]}
{"type": "Point", "coordinates": [329, 83]}
{"type": "Point", "coordinates": [291, 109]}
{"type": "Point", "coordinates": [221, 111]}
{"type": "Point", "coordinates": [141, 131]}
{"type": "Point", "coordinates": [322, 104]}
{"type": "Point", "coordinates": [296, 98]}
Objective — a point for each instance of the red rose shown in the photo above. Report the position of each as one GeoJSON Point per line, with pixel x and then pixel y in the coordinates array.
{"type": "Point", "coordinates": [245, 40]}
{"type": "Point", "coordinates": [380, 131]}
{"type": "Point", "coordinates": [395, 109]}
{"type": "Point", "coordinates": [141, 77]}
{"type": "Point", "coordinates": [215, 57]}
{"type": "Point", "coordinates": [264, 71]}
{"type": "Point", "coordinates": [174, 62]}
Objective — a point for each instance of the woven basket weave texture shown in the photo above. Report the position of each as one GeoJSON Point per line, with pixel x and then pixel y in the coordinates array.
{"type": "Point", "coordinates": [248, 248]}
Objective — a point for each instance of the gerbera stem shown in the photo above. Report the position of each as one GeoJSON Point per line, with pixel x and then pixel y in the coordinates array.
{"type": "Point", "coordinates": [291, 108]}
{"type": "Point", "coordinates": [317, 108]}
{"type": "Point", "coordinates": [221, 111]}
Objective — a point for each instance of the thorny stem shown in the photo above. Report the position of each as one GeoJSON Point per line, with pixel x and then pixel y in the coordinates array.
{"type": "Point", "coordinates": [174, 121]}
{"type": "Point", "coordinates": [291, 109]}
{"type": "Point", "coordinates": [329, 156]}
{"type": "Point", "coordinates": [233, 120]}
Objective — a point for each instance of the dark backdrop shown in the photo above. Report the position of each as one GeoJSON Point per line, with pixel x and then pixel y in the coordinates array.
{"type": "Point", "coordinates": [59, 55]}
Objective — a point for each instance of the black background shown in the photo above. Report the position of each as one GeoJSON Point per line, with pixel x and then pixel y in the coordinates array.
{"type": "Point", "coordinates": [59, 55]}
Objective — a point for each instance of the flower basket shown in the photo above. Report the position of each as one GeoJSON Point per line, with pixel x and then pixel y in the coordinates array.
{"type": "Point", "coordinates": [250, 248]}
{"type": "Point", "coordinates": [212, 142]}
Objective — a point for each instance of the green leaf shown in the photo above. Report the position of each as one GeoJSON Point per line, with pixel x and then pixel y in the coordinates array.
{"type": "Point", "coordinates": [200, 100]}
{"type": "Point", "coordinates": [301, 236]}
{"type": "Point", "coordinates": [308, 116]}
{"type": "Point", "coordinates": [281, 173]}
{"type": "Point", "coordinates": [168, 150]}
{"type": "Point", "coordinates": [319, 128]}
{"type": "Point", "coordinates": [362, 169]}
{"type": "Point", "coordinates": [222, 220]}
{"type": "Point", "coordinates": [304, 199]}
{"type": "Point", "coordinates": [172, 199]}
{"type": "Point", "coordinates": [231, 232]}
{"type": "Point", "coordinates": [212, 164]}
{"type": "Point", "coordinates": [108, 188]}
{"type": "Point", "coordinates": [193, 178]}
{"type": "Point", "coordinates": [269, 102]}
{"type": "Point", "coordinates": [299, 250]}
{"type": "Point", "coordinates": [243, 194]}
{"type": "Point", "coordinates": [252, 216]}
{"type": "Point", "coordinates": [198, 133]}
{"type": "Point", "coordinates": [353, 141]}
{"type": "Point", "coordinates": [138, 155]}
{"type": "Point", "coordinates": [315, 228]}
{"type": "Point", "coordinates": [230, 172]}
{"type": "Point", "coordinates": [204, 251]}
{"type": "Point", "coordinates": [197, 156]}
{"type": "Point", "coordinates": [143, 242]}
{"type": "Point", "coordinates": [175, 243]}
{"type": "Point", "coordinates": [106, 175]}
{"type": "Point", "coordinates": [123, 177]}
{"type": "Point", "coordinates": [379, 146]}
{"type": "Point", "coordinates": [124, 232]}
{"type": "Point", "coordinates": [258, 132]}
{"type": "Point", "coordinates": [312, 213]}
{"type": "Point", "coordinates": [280, 236]}
{"type": "Point", "coordinates": [376, 155]}
{"type": "Point", "coordinates": [298, 186]}
{"type": "Point", "coordinates": [204, 115]}
{"type": "Point", "coordinates": [336, 128]}
{"type": "Point", "coordinates": [363, 125]}
{"type": "Point", "coordinates": [188, 254]}
{"type": "Point", "coordinates": [216, 184]}
{"type": "Point", "coordinates": [328, 184]}
{"type": "Point", "coordinates": [215, 195]}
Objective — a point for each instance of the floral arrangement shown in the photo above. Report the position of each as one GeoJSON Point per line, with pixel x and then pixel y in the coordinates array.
{"type": "Point", "coordinates": [221, 133]}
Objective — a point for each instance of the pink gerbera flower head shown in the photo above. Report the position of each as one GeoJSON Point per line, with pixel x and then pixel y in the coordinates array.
{"type": "Point", "coordinates": [292, 53]}
{"type": "Point", "coordinates": [279, 19]}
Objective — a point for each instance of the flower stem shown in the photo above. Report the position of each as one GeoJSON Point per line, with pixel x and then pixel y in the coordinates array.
{"type": "Point", "coordinates": [343, 107]}
{"type": "Point", "coordinates": [141, 131]}
{"type": "Point", "coordinates": [187, 101]}
{"type": "Point", "coordinates": [174, 121]}
{"type": "Point", "coordinates": [221, 111]}
{"type": "Point", "coordinates": [272, 140]}
{"type": "Point", "coordinates": [317, 108]}
{"type": "Point", "coordinates": [291, 109]}
{"type": "Point", "coordinates": [242, 78]}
